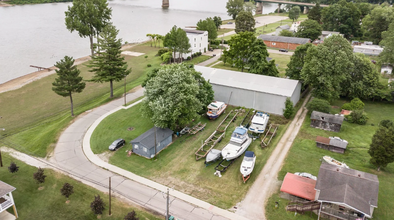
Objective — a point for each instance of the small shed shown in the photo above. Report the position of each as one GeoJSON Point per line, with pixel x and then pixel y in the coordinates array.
{"type": "Point", "coordinates": [299, 186]}
{"type": "Point", "coordinates": [6, 199]}
{"type": "Point", "coordinates": [326, 121]}
{"type": "Point", "coordinates": [333, 144]}
{"type": "Point", "coordinates": [144, 145]}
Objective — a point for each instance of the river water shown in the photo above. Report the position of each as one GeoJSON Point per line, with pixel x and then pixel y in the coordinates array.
{"type": "Point", "coordinates": [37, 35]}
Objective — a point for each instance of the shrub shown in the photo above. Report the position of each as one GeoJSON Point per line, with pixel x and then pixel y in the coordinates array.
{"type": "Point", "coordinates": [13, 168]}
{"type": "Point", "coordinates": [97, 205]}
{"type": "Point", "coordinates": [387, 123]}
{"type": "Point", "coordinates": [357, 117]}
{"type": "Point", "coordinates": [131, 216]}
{"type": "Point", "coordinates": [355, 104]}
{"type": "Point", "coordinates": [289, 109]}
{"type": "Point", "coordinates": [188, 58]}
{"type": "Point", "coordinates": [67, 190]}
{"type": "Point", "coordinates": [347, 106]}
{"type": "Point", "coordinates": [39, 176]}
{"type": "Point", "coordinates": [148, 65]}
{"type": "Point", "coordinates": [166, 57]}
{"type": "Point", "coordinates": [319, 105]}
{"type": "Point", "coordinates": [163, 51]}
{"type": "Point", "coordinates": [146, 56]}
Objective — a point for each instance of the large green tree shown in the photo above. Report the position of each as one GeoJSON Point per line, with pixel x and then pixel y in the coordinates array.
{"type": "Point", "coordinates": [177, 41]}
{"type": "Point", "coordinates": [245, 22]}
{"type": "Point", "coordinates": [258, 63]}
{"type": "Point", "coordinates": [315, 13]}
{"type": "Point", "coordinates": [218, 22]}
{"type": "Point", "coordinates": [250, 6]}
{"type": "Point", "coordinates": [286, 33]}
{"type": "Point", "coordinates": [309, 29]}
{"type": "Point", "coordinates": [88, 17]}
{"type": "Point", "coordinates": [68, 80]}
{"type": "Point", "coordinates": [294, 13]}
{"type": "Point", "coordinates": [387, 56]}
{"type": "Point", "coordinates": [107, 64]}
{"type": "Point", "coordinates": [343, 17]}
{"type": "Point", "coordinates": [240, 47]}
{"type": "Point", "coordinates": [234, 7]}
{"type": "Point", "coordinates": [210, 26]}
{"type": "Point", "coordinates": [381, 149]}
{"type": "Point", "coordinates": [297, 60]}
{"type": "Point", "coordinates": [327, 66]}
{"type": "Point", "coordinates": [175, 95]}
{"type": "Point", "coordinates": [376, 22]}
{"type": "Point", "coordinates": [365, 8]}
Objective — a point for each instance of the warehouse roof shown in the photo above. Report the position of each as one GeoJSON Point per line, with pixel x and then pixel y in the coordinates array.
{"type": "Point", "coordinates": [294, 40]}
{"type": "Point", "coordinates": [249, 81]}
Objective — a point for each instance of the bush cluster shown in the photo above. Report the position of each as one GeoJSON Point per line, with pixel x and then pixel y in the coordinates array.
{"type": "Point", "coordinates": [355, 104]}
{"type": "Point", "coordinates": [196, 54]}
{"type": "Point", "coordinates": [319, 105]}
{"type": "Point", "coordinates": [357, 117]}
{"type": "Point", "coordinates": [163, 51]}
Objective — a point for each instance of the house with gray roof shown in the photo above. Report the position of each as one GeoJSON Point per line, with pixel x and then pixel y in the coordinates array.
{"type": "Point", "coordinates": [334, 144]}
{"type": "Point", "coordinates": [264, 93]}
{"type": "Point", "coordinates": [144, 145]}
{"type": "Point", "coordinates": [281, 28]}
{"type": "Point", "coordinates": [326, 121]}
{"type": "Point", "coordinates": [7, 201]}
{"type": "Point", "coordinates": [289, 43]}
{"type": "Point", "coordinates": [346, 193]}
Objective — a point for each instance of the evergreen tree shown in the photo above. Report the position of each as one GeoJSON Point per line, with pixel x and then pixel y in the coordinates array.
{"type": "Point", "coordinates": [108, 65]}
{"type": "Point", "coordinates": [315, 13]}
{"type": "Point", "coordinates": [131, 216]}
{"type": "Point", "coordinates": [245, 22]}
{"type": "Point", "coordinates": [210, 26]}
{"type": "Point", "coordinates": [382, 147]}
{"type": "Point", "coordinates": [67, 190]}
{"type": "Point", "coordinates": [258, 60]}
{"type": "Point", "coordinates": [39, 176]}
{"type": "Point", "coordinates": [68, 80]}
{"type": "Point", "coordinates": [234, 7]}
{"type": "Point", "coordinates": [218, 22]}
{"type": "Point", "coordinates": [13, 168]}
{"type": "Point", "coordinates": [297, 60]}
{"type": "Point", "coordinates": [288, 111]}
{"type": "Point", "coordinates": [97, 205]}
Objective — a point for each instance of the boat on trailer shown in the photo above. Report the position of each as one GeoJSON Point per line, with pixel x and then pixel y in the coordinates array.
{"type": "Point", "coordinates": [239, 142]}
{"type": "Point", "coordinates": [212, 156]}
{"type": "Point", "coordinates": [259, 122]}
{"type": "Point", "coordinates": [247, 165]}
{"type": "Point", "coordinates": [215, 109]}
{"type": "Point", "coordinates": [332, 161]}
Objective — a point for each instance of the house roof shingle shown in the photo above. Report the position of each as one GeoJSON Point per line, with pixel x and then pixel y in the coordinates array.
{"type": "Point", "coordinates": [338, 143]}
{"type": "Point", "coordinates": [5, 188]}
{"type": "Point", "coordinates": [336, 119]}
{"type": "Point", "coordinates": [148, 138]}
{"type": "Point", "coordinates": [294, 40]}
{"type": "Point", "coordinates": [299, 186]}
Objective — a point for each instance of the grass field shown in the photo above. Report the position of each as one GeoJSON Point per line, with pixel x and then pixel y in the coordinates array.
{"type": "Point", "coordinates": [223, 31]}
{"type": "Point", "coordinates": [48, 203]}
{"type": "Point", "coordinates": [199, 59]}
{"type": "Point", "coordinates": [304, 156]}
{"type": "Point", "coordinates": [42, 114]}
{"type": "Point", "coordinates": [176, 166]}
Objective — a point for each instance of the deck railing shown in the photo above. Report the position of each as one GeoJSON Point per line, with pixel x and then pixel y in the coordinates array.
{"type": "Point", "coordinates": [339, 214]}
{"type": "Point", "coordinates": [5, 204]}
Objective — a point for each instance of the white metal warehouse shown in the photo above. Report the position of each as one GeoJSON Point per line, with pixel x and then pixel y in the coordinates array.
{"type": "Point", "coordinates": [264, 93]}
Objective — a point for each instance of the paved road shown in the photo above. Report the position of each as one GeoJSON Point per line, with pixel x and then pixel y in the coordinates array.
{"type": "Point", "coordinates": [73, 150]}
{"type": "Point", "coordinates": [253, 205]}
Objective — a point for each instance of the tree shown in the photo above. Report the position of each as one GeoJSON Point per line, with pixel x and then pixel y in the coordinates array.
{"type": "Point", "coordinates": [286, 33]}
{"type": "Point", "coordinates": [67, 190]}
{"type": "Point", "coordinates": [343, 17]}
{"type": "Point", "coordinates": [150, 38]}
{"type": "Point", "coordinates": [97, 205]}
{"type": "Point", "coordinates": [240, 46]}
{"type": "Point", "coordinates": [88, 17]}
{"type": "Point", "coordinates": [131, 216]}
{"type": "Point", "coordinates": [365, 8]}
{"type": "Point", "coordinates": [177, 41]}
{"type": "Point", "coordinates": [319, 105]}
{"type": "Point", "coordinates": [210, 26]}
{"type": "Point", "coordinates": [175, 95]}
{"type": "Point", "coordinates": [355, 104]}
{"type": "Point", "coordinates": [387, 56]}
{"type": "Point", "coordinates": [234, 7]}
{"type": "Point", "coordinates": [245, 22]}
{"type": "Point", "coordinates": [289, 109]}
{"type": "Point", "coordinates": [258, 60]}
{"type": "Point", "coordinates": [68, 80]}
{"type": "Point", "coordinates": [309, 29]}
{"type": "Point", "coordinates": [250, 7]}
{"type": "Point", "coordinates": [218, 22]}
{"type": "Point", "coordinates": [327, 66]}
{"type": "Point", "coordinates": [315, 13]}
{"type": "Point", "coordinates": [159, 38]}
{"type": "Point", "coordinates": [39, 176]}
{"type": "Point", "coordinates": [377, 22]}
{"type": "Point", "coordinates": [297, 60]}
{"type": "Point", "coordinates": [13, 168]}
{"type": "Point", "coordinates": [382, 147]}
{"type": "Point", "coordinates": [294, 13]}
{"type": "Point", "coordinates": [108, 65]}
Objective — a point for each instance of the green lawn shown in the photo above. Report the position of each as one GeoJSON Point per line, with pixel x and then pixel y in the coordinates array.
{"type": "Point", "coordinates": [34, 115]}
{"type": "Point", "coordinates": [199, 59]}
{"type": "Point", "coordinates": [48, 203]}
{"type": "Point", "coordinates": [176, 166]}
{"type": "Point", "coordinates": [223, 31]}
{"type": "Point", "coordinates": [356, 156]}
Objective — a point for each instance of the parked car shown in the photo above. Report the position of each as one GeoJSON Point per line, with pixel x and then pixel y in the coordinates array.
{"type": "Point", "coordinates": [213, 55]}
{"type": "Point", "coordinates": [229, 22]}
{"type": "Point", "coordinates": [373, 61]}
{"type": "Point", "coordinates": [307, 175]}
{"type": "Point", "coordinates": [117, 144]}
{"type": "Point", "coordinates": [283, 50]}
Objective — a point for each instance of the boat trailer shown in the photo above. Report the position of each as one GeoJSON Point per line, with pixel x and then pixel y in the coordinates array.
{"type": "Point", "coordinates": [223, 166]}
{"type": "Point", "coordinates": [247, 119]}
{"type": "Point", "coordinates": [269, 135]}
{"type": "Point", "coordinates": [194, 130]}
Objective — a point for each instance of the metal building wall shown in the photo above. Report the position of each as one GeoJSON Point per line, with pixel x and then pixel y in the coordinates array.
{"type": "Point", "coordinates": [296, 94]}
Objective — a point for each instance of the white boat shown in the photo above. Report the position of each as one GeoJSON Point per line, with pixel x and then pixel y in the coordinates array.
{"type": "Point", "coordinates": [247, 164]}
{"type": "Point", "coordinates": [213, 155]}
{"type": "Point", "coordinates": [239, 142]}
{"type": "Point", "coordinates": [306, 175]}
{"type": "Point", "coordinates": [215, 109]}
{"type": "Point", "coordinates": [332, 161]}
{"type": "Point", "coordinates": [259, 122]}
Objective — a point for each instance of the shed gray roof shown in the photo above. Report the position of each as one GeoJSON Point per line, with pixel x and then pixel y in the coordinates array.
{"type": "Point", "coordinates": [284, 27]}
{"type": "Point", "coordinates": [5, 188]}
{"type": "Point", "coordinates": [148, 138]}
{"type": "Point", "coordinates": [351, 187]}
{"type": "Point", "coordinates": [248, 81]}
{"type": "Point", "coordinates": [336, 119]}
{"type": "Point", "coordinates": [329, 32]}
{"type": "Point", "coordinates": [294, 40]}
{"type": "Point", "coordinates": [338, 143]}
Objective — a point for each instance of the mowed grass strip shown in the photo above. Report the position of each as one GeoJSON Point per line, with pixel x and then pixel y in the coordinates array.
{"type": "Point", "coordinates": [176, 165]}
{"type": "Point", "coordinates": [34, 115]}
{"type": "Point", "coordinates": [48, 203]}
{"type": "Point", "coordinates": [304, 156]}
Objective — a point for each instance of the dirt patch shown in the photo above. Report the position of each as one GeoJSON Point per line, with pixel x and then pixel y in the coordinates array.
{"type": "Point", "coordinates": [136, 88]}
{"type": "Point", "coordinates": [105, 156]}
{"type": "Point", "coordinates": [130, 128]}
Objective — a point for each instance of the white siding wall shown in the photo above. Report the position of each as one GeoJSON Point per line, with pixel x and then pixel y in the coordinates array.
{"type": "Point", "coordinates": [197, 42]}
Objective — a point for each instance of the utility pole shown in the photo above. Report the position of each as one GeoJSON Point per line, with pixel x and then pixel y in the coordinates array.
{"type": "Point", "coordinates": [125, 90]}
{"type": "Point", "coordinates": [109, 196]}
{"type": "Point", "coordinates": [168, 204]}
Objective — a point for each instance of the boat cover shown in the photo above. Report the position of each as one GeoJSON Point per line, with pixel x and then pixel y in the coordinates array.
{"type": "Point", "coordinates": [240, 130]}
{"type": "Point", "coordinates": [249, 154]}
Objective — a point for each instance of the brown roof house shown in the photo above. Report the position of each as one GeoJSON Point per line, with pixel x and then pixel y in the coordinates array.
{"type": "Point", "coordinates": [346, 193]}
{"type": "Point", "coordinates": [334, 144]}
{"type": "Point", "coordinates": [6, 201]}
{"type": "Point", "coordinates": [289, 43]}
{"type": "Point", "coordinates": [326, 121]}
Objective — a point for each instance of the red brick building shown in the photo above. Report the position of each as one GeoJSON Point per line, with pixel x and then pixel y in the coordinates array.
{"type": "Point", "coordinates": [288, 43]}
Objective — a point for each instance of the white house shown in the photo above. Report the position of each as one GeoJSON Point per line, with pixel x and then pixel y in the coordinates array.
{"type": "Point", "coordinates": [198, 41]}
{"type": "Point", "coordinates": [386, 69]}
{"type": "Point", "coordinates": [367, 49]}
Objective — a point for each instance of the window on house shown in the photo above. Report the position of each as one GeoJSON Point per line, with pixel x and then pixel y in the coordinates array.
{"type": "Point", "coordinates": [194, 39]}
{"type": "Point", "coordinates": [194, 45]}
{"type": "Point", "coordinates": [200, 44]}
{"type": "Point", "coordinates": [145, 149]}
{"type": "Point", "coordinates": [273, 43]}
{"type": "Point", "coordinates": [201, 38]}
{"type": "Point", "coordinates": [322, 118]}
{"type": "Point", "coordinates": [135, 146]}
